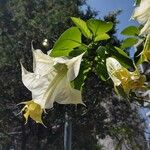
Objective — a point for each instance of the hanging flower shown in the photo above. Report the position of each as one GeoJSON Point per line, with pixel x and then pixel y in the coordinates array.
{"type": "Point", "coordinates": [145, 54]}
{"type": "Point", "coordinates": [146, 29]}
{"type": "Point", "coordinates": [50, 83]}
{"type": "Point", "coordinates": [122, 77]}
{"type": "Point", "coordinates": [142, 15]}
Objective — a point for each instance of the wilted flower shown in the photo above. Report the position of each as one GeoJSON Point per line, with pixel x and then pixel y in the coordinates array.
{"type": "Point", "coordinates": [50, 83]}
{"type": "Point", "coordinates": [142, 15]}
{"type": "Point", "coordinates": [122, 77]}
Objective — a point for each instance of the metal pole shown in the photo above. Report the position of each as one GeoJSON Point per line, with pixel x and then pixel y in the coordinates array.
{"type": "Point", "coordinates": [67, 133]}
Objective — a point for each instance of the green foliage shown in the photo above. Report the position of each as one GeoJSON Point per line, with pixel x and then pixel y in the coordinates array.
{"type": "Point", "coordinates": [137, 2]}
{"type": "Point", "coordinates": [131, 31]}
{"type": "Point", "coordinates": [82, 26]}
{"type": "Point", "coordinates": [128, 42]}
{"type": "Point", "coordinates": [121, 56]}
{"type": "Point", "coordinates": [70, 39]}
{"type": "Point", "coordinates": [101, 60]}
{"type": "Point", "coordinates": [120, 51]}
{"type": "Point", "coordinates": [99, 29]}
{"type": "Point", "coordinates": [101, 51]}
{"type": "Point", "coordinates": [79, 81]}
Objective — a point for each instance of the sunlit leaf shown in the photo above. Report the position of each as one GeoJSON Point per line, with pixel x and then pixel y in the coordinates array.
{"type": "Point", "coordinates": [129, 42]}
{"type": "Point", "coordinates": [101, 37]}
{"type": "Point", "coordinates": [131, 31]}
{"type": "Point", "coordinates": [99, 29]}
{"type": "Point", "coordinates": [81, 24]}
{"type": "Point", "coordinates": [70, 39]}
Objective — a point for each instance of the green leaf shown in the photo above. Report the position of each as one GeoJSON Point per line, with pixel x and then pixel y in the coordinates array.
{"type": "Point", "coordinates": [101, 37]}
{"type": "Point", "coordinates": [120, 51]}
{"type": "Point", "coordinates": [99, 29]}
{"type": "Point", "coordinates": [77, 51]}
{"type": "Point", "coordinates": [129, 42]}
{"type": "Point", "coordinates": [70, 39]}
{"type": "Point", "coordinates": [101, 63]}
{"type": "Point", "coordinates": [79, 81]}
{"type": "Point", "coordinates": [131, 31]}
{"type": "Point", "coordinates": [81, 24]}
{"type": "Point", "coordinates": [137, 2]}
{"type": "Point", "coordinates": [122, 58]}
{"type": "Point", "coordinates": [101, 51]}
{"type": "Point", "coordinates": [102, 71]}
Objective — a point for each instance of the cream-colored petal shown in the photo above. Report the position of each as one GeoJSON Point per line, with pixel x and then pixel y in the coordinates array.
{"type": "Point", "coordinates": [73, 65]}
{"type": "Point", "coordinates": [146, 29]}
{"type": "Point", "coordinates": [61, 91]}
{"type": "Point", "coordinates": [36, 84]}
{"type": "Point", "coordinates": [65, 94]}
{"type": "Point", "coordinates": [112, 66]}
{"type": "Point", "coordinates": [141, 13]}
{"type": "Point", "coordinates": [42, 63]}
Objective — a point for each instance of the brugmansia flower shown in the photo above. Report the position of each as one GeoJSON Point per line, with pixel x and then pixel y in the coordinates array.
{"type": "Point", "coordinates": [122, 77]}
{"type": "Point", "coordinates": [145, 54]}
{"type": "Point", "coordinates": [146, 29]}
{"type": "Point", "coordinates": [142, 15]}
{"type": "Point", "coordinates": [49, 83]}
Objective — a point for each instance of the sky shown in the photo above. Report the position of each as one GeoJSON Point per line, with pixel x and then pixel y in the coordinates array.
{"type": "Point", "coordinates": [105, 6]}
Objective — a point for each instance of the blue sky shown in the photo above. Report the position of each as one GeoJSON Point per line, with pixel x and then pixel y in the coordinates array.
{"type": "Point", "coordinates": [105, 6]}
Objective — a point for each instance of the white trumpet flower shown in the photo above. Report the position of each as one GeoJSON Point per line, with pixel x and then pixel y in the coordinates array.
{"type": "Point", "coordinates": [50, 83]}
{"type": "Point", "coordinates": [146, 29]}
{"type": "Point", "coordinates": [142, 15]}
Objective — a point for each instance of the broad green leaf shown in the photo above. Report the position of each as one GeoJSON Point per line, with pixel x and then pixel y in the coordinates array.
{"type": "Point", "coordinates": [125, 61]}
{"type": "Point", "coordinates": [122, 58]}
{"type": "Point", "coordinates": [101, 51]}
{"type": "Point", "coordinates": [70, 39]}
{"type": "Point", "coordinates": [101, 61]}
{"type": "Point", "coordinates": [79, 81]}
{"type": "Point", "coordinates": [102, 71]}
{"type": "Point", "coordinates": [101, 37]}
{"type": "Point", "coordinates": [77, 51]}
{"type": "Point", "coordinates": [137, 2]}
{"type": "Point", "coordinates": [81, 24]}
{"type": "Point", "coordinates": [129, 42]}
{"type": "Point", "coordinates": [99, 28]}
{"type": "Point", "coordinates": [131, 31]}
{"type": "Point", "coordinates": [121, 51]}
